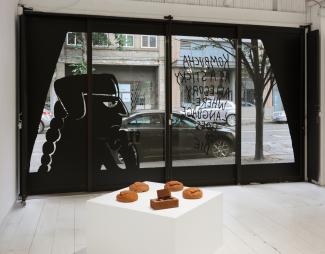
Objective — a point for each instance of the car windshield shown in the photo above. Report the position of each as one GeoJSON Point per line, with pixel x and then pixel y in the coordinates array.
{"type": "Point", "coordinates": [150, 120]}
{"type": "Point", "coordinates": [182, 122]}
{"type": "Point", "coordinates": [230, 104]}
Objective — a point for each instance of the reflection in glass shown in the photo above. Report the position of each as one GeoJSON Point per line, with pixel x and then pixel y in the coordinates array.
{"type": "Point", "coordinates": [138, 63]}
{"type": "Point", "coordinates": [265, 133]}
{"type": "Point", "coordinates": [204, 110]}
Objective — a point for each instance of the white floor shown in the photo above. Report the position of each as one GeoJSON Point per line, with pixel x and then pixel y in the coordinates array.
{"type": "Point", "coordinates": [271, 218]}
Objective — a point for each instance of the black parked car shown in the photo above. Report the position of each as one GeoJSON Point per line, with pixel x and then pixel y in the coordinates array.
{"type": "Point", "coordinates": [189, 140]}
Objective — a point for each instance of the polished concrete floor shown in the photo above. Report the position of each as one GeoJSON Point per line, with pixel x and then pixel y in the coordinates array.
{"type": "Point", "coordinates": [270, 218]}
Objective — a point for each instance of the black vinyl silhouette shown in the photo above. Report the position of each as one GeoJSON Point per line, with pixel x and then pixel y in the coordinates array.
{"type": "Point", "coordinates": [66, 139]}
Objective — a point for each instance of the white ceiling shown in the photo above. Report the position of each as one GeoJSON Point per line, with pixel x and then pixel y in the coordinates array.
{"type": "Point", "coordinates": [258, 12]}
{"type": "Point", "coordinates": [280, 5]}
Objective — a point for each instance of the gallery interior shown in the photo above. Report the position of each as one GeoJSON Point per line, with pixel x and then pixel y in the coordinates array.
{"type": "Point", "coordinates": [162, 126]}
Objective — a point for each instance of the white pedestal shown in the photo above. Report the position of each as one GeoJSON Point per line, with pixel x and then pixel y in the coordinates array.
{"type": "Point", "coordinates": [125, 228]}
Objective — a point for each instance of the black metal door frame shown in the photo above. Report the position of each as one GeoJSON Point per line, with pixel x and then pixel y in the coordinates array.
{"type": "Point", "coordinates": [125, 26]}
{"type": "Point", "coordinates": [313, 106]}
{"type": "Point", "coordinates": [213, 175]}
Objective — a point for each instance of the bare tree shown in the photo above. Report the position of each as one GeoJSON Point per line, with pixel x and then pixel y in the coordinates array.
{"type": "Point", "coordinates": [256, 63]}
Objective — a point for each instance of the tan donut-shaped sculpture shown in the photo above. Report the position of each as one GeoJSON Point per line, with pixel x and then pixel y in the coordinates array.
{"type": "Point", "coordinates": [192, 193]}
{"type": "Point", "coordinates": [174, 186]}
{"type": "Point", "coordinates": [127, 196]}
{"type": "Point", "coordinates": [139, 187]}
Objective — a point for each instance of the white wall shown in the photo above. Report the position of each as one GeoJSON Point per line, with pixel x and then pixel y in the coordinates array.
{"type": "Point", "coordinates": [321, 26]}
{"type": "Point", "coordinates": [7, 105]}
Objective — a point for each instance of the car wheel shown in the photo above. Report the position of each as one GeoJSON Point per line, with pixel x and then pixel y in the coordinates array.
{"type": "Point", "coordinates": [220, 148]}
{"type": "Point", "coordinates": [41, 127]}
{"type": "Point", "coordinates": [231, 120]}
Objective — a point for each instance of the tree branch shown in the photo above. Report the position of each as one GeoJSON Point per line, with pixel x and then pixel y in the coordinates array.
{"type": "Point", "coordinates": [217, 44]}
{"type": "Point", "coordinates": [266, 82]}
{"type": "Point", "coordinates": [268, 93]}
{"type": "Point", "coordinates": [248, 66]}
{"type": "Point", "coordinates": [255, 61]}
{"type": "Point", "coordinates": [267, 76]}
{"type": "Point", "coordinates": [263, 63]}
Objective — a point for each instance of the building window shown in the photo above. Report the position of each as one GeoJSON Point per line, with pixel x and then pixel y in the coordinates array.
{"type": "Point", "coordinates": [100, 40]}
{"type": "Point", "coordinates": [126, 40]}
{"type": "Point", "coordinates": [74, 39]}
{"type": "Point", "coordinates": [185, 44]}
{"type": "Point", "coordinates": [148, 41]}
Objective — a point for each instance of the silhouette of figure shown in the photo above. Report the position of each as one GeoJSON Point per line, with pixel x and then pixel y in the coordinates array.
{"type": "Point", "coordinates": [67, 141]}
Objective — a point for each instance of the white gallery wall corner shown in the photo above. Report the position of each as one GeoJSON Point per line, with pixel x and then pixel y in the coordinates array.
{"type": "Point", "coordinates": [316, 17]}
{"type": "Point", "coordinates": [8, 17]}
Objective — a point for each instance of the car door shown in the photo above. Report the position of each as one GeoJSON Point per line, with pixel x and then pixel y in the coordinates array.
{"type": "Point", "coordinates": [148, 128]}
{"type": "Point", "coordinates": [187, 138]}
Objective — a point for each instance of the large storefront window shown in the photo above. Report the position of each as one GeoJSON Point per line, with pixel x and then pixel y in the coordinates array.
{"type": "Point", "coordinates": [139, 72]}
{"type": "Point", "coordinates": [107, 102]}
{"type": "Point", "coordinates": [203, 98]}
{"type": "Point", "coordinates": [265, 132]}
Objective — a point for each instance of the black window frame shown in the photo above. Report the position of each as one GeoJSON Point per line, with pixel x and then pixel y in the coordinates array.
{"type": "Point", "coordinates": [231, 174]}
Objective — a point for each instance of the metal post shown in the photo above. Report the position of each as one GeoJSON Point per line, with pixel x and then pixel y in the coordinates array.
{"type": "Point", "coordinates": [90, 108]}
{"type": "Point", "coordinates": [238, 107]}
{"type": "Point", "coordinates": [168, 100]}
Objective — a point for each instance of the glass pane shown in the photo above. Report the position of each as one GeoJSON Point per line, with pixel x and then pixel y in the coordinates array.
{"type": "Point", "coordinates": [204, 110]}
{"type": "Point", "coordinates": [71, 38]}
{"type": "Point", "coordinates": [61, 143]}
{"type": "Point", "coordinates": [145, 42]}
{"type": "Point", "coordinates": [265, 132]}
{"type": "Point", "coordinates": [129, 41]}
{"type": "Point", "coordinates": [153, 40]}
{"type": "Point", "coordinates": [100, 39]}
{"type": "Point", "coordinates": [80, 38]}
{"type": "Point", "coordinates": [130, 132]}
{"type": "Point", "coordinates": [121, 40]}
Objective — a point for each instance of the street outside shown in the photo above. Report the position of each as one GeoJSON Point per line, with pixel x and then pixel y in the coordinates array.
{"type": "Point", "coordinates": [277, 148]}
{"type": "Point", "coordinates": [277, 143]}
{"type": "Point", "coordinates": [142, 86]}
